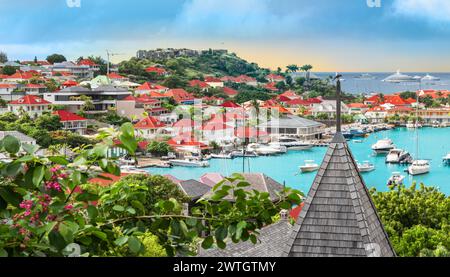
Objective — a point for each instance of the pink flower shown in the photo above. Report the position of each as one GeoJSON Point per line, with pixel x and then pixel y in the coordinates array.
{"type": "Point", "coordinates": [68, 207]}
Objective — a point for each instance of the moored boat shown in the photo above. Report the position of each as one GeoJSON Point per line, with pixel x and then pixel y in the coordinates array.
{"type": "Point", "coordinates": [446, 159]}
{"type": "Point", "coordinates": [246, 154]}
{"type": "Point", "coordinates": [419, 167]}
{"type": "Point", "coordinates": [366, 166]}
{"type": "Point", "coordinates": [309, 166]}
{"type": "Point", "coordinates": [383, 146]}
{"type": "Point", "coordinates": [294, 144]}
{"type": "Point", "coordinates": [189, 163]}
{"type": "Point", "coordinates": [129, 169]}
{"type": "Point", "coordinates": [222, 155]}
{"type": "Point", "coordinates": [397, 156]}
{"type": "Point", "coordinates": [396, 179]}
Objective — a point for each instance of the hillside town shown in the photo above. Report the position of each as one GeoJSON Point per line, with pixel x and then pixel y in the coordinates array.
{"type": "Point", "coordinates": [189, 107]}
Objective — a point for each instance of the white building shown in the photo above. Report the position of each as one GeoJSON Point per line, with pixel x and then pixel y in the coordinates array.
{"type": "Point", "coordinates": [31, 104]}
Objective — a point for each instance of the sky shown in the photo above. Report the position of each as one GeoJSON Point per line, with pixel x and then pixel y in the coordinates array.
{"type": "Point", "coordinates": [346, 36]}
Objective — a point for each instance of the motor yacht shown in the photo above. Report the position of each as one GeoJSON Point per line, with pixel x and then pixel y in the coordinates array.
{"type": "Point", "coordinates": [264, 150]}
{"type": "Point", "coordinates": [396, 156]}
{"type": "Point", "coordinates": [430, 79]}
{"type": "Point", "coordinates": [247, 154]}
{"type": "Point", "coordinates": [279, 147]}
{"type": "Point", "coordinates": [309, 166]}
{"type": "Point", "coordinates": [446, 159]}
{"type": "Point", "coordinates": [129, 169]}
{"type": "Point", "coordinates": [294, 144]}
{"type": "Point", "coordinates": [419, 167]}
{"type": "Point", "coordinates": [365, 76]}
{"type": "Point", "coordinates": [366, 166]}
{"type": "Point", "coordinates": [396, 179]}
{"type": "Point", "coordinates": [383, 146]}
{"type": "Point", "coordinates": [222, 155]}
{"type": "Point", "coordinates": [189, 163]}
{"type": "Point", "coordinates": [400, 78]}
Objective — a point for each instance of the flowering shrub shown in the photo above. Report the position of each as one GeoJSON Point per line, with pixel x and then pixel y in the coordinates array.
{"type": "Point", "coordinates": [47, 207]}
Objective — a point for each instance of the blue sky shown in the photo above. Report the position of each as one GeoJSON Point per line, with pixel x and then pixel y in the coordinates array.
{"type": "Point", "coordinates": [411, 35]}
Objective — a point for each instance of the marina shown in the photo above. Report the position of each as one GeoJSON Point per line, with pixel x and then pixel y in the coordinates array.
{"type": "Point", "coordinates": [284, 168]}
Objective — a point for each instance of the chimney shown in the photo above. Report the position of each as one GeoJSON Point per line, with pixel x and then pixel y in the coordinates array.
{"type": "Point", "coordinates": [284, 214]}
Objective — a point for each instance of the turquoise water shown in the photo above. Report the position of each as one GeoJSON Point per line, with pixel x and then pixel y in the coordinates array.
{"type": "Point", "coordinates": [434, 144]}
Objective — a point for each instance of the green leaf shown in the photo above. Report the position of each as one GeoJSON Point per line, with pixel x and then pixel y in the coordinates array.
{"type": "Point", "coordinates": [10, 196]}
{"type": "Point", "coordinates": [207, 242]}
{"type": "Point", "coordinates": [239, 228]}
{"type": "Point", "coordinates": [138, 205]}
{"type": "Point", "coordinates": [168, 205]}
{"type": "Point", "coordinates": [13, 168]}
{"type": "Point", "coordinates": [221, 244]}
{"type": "Point", "coordinates": [100, 235]}
{"type": "Point", "coordinates": [285, 205]}
{"type": "Point", "coordinates": [294, 198]}
{"type": "Point", "coordinates": [25, 159]}
{"type": "Point", "coordinates": [11, 144]}
{"type": "Point", "coordinates": [92, 212]}
{"type": "Point", "coordinates": [86, 197]}
{"type": "Point", "coordinates": [121, 241]}
{"type": "Point", "coordinates": [134, 244]}
{"type": "Point", "coordinates": [76, 177]}
{"type": "Point", "coordinates": [253, 239]}
{"type": "Point", "coordinates": [191, 222]}
{"type": "Point", "coordinates": [38, 175]}
{"type": "Point", "coordinates": [221, 233]}
{"type": "Point", "coordinates": [3, 253]}
{"type": "Point", "coordinates": [57, 240]}
{"type": "Point", "coordinates": [118, 208]}
{"type": "Point", "coordinates": [30, 149]}
{"type": "Point", "coordinates": [59, 160]}
{"type": "Point", "coordinates": [131, 211]}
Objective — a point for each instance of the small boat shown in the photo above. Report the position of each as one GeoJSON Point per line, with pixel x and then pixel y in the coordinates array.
{"type": "Point", "coordinates": [446, 159]}
{"type": "Point", "coordinates": [223, 156]}
{"type": "Point", "coordinates": [247, 154]}
{"type": "Point", "coordinates": [419, 167]}
{"type": "Point", "coordinates": [163, 165]}
{"type": "Point", "coordinates": [294, 144]}
{"type": "Point", "coordinates": [348, 135]}
{"type": "Point", "coordinates": [396, 156]}
{"type": "Point", "coordinates": [366, 166]}
{"type": "Point", "coordinates": [412, 125]}
{"type": "Point", "coordinates": [264, 150]}
{"type": "Point", "coordinates": [358, 133]}
{"type": "Point", "coordinates": [358, 141]}
{"type": "Point", "coordinates": [383, 146]}
{"type": "Point", "coordinates": [132, 170]}
{"type": "Point", "coordinates": [430, 79]}
{"type": "Point", "coordinates": [365, 76]}
{"type": "Point", "coordinates": [310, 166]}
{"type": "Point", "coordinates": [189, 163]}
{"type": "Point", "coordinates": [396, 179]}
{"type": "Point", "coordinates": [281, 149]}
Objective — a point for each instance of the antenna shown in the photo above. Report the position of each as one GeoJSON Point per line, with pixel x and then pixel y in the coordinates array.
{"type": "Point", "coordinates": [338, 102]}
{"type": "Point", "coordinates": [109, 54]}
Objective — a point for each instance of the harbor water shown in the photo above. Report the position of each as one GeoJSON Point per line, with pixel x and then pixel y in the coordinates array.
{"type": "Point", "coordinates": [434, 144]}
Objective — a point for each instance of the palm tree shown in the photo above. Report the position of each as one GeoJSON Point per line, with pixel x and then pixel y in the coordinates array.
{"type": "Point", "coordinates": [307, 68]}
{"type": "Point", "coordinates": [292, 68]}
{"type": "Point", "coordinates": [256, 106]}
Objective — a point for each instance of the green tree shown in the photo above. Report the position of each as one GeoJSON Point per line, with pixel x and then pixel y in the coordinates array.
{"type": "Point", "coordinates": [8, 70]}
{"type": "Point", "coordinates": [159, 148]}
{"type": "Point", "coordinates": [292, 68]}
{"type": "Point", "coordinates": [48, 122]}
{"type": "Point", "coordinates": [3, 57]}
{"type": "Point", "coordinates": [56, 58]}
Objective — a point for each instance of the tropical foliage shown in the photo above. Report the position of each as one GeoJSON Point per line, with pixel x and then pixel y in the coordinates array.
{"type": "Point", "coordinates": [48, 207]}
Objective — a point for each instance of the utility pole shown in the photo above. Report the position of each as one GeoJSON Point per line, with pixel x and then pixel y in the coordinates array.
{"type": "Point", "coordinates": [338, 103]}
{"type": "Point", "coordinates": [108, 54]}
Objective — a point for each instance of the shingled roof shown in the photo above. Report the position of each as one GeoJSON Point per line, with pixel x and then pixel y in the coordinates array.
{"type": "Point", "coordinates": [339, 217]}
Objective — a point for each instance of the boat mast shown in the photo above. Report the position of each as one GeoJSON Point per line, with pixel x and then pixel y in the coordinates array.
{"type": "Point", "coordinates": [338, 103]}
{"type": "Point", "coordinates": [417, 118]}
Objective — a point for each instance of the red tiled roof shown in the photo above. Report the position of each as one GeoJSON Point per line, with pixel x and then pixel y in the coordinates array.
{"type": "Point", "coordinates": [230, 104]}
{"type": "Point", "coordinates": [180, 95]}
{"type": "Point", "coordinates": [70, 83]}
{"type": "Point", "coordinates": [230, 92]}
{"type": "Point", "coordinates": [271, 86]}
{"type": "Point", "coordinates": [30, 100]}
{"type": "Point", "coordinates": [157, 70]}
{"type": "Point", "coordinates": [198, 83]}
{"type": "Point", "coordinates": [23, 75]}
{"type": "Point", "coordinates": [115, 76]}
{"type": "Point", "coordinates": [275, 77]}
{"type": "Point", "coordinates": [87, 62]}
{"type": "Point", "coordinates": [149, 123]}
{"type": "Point", "coordinates": [149, 86]}
{"type": "Point", "coordinates": [68, 116]}
{"type": "Point", "coordinates": [7, 86]}
{"type": "Point", "coordinates": [357, 105]}
{"type": "Point", "coordinates": [298, 102]}
{"type": "Point", "coordinates": [211, 79]}
{"type": "Point", "coordinates": [377, 109]}
{"type": "Point", "coordinates": [104, 182]}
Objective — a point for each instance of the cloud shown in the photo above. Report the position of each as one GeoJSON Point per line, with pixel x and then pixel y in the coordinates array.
{"type": "Point", "coordinates": [236, 18]}
{"type": "Point", "coordinates": [432, 10]}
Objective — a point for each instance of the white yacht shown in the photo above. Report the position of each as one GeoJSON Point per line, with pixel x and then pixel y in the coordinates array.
{"type": "Point", "coordinates": [366, 166]}
{"type": "Point", "coordinates": [412, 125]}
{"type": "Point", "coordinates": [419, 167]}
{"type": "Point", "coordinates": [383, 146]}
{"type": "Point", "coordinates": [430, 79]}
{"type": "Point", "coordinates": [446, 159]}
{"type": "Point", "coordinates": [396, 179]}
{"type": "Point", "coordinates": [365, 76]}
{"type": "Point", "coordinates": [309, 166]}
{"type": "Point", "coordinates": [400, 78]}
{"type": "Point", "coordinates": [129, 169]}
{"type": "Point", "coordinates": [396, 156]}
{"type": "Point", "coordinates": [247, 154]}
{"type": "Point", "coordinates": [294, 144]}
{"type": "Point", "coordinates": [189, 163]}
{"type": "Point", "coordinates": [279, 147]}
{"type": "Point", "coordinates": [261, 149]}
{"type": "Point", "coordinates": [222, 155]}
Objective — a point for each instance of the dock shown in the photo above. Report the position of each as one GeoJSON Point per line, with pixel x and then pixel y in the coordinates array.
{"type": "Point", "coordinates": [150, 162]}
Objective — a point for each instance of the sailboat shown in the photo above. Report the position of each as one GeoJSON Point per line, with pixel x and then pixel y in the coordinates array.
{"type": "Point", "coordinates": [418, 167]}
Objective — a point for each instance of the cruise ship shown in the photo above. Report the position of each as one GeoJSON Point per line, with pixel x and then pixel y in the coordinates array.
{"type": "Point", "coordinates": [400, 78]}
